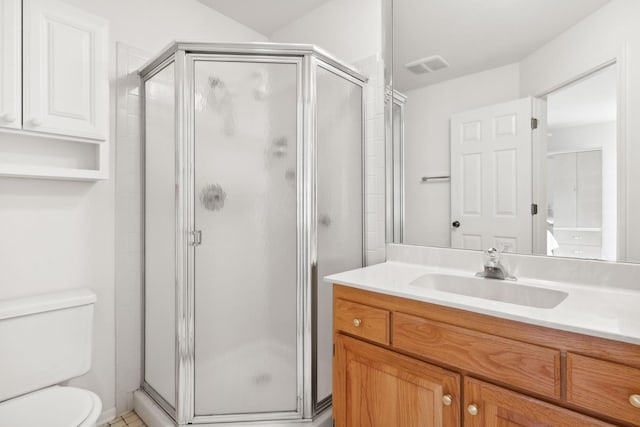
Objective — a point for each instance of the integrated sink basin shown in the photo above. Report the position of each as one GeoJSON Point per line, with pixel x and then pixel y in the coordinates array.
{"type": "Point", "coordinates": [491, 289]}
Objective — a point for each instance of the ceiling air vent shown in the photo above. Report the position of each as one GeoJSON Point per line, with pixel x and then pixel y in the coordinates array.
{"type": "Point", "coordinates": [427, 65]}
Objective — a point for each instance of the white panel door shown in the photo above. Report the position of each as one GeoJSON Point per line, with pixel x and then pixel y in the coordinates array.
{"type": "Point", "coordinates": [491, 162]}
{"type": "Point", "coordinates": [65, 70]}
{"type": "Point", "coordinates": [10, 64]}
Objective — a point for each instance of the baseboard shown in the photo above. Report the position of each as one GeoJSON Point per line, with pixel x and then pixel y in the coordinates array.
{"type": "Point", "coordinates": [149, 412]}
{"type": "Point", "coordinates": [153, 416]}
{"type": "Point", "coordinates": [106, 416]}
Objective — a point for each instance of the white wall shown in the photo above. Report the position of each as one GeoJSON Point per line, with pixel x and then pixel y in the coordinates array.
{"type": "Point", "coordinates": [599, 38]}
{"type": "Point", "coordinates": [427, 114]}
{"type": "Point", "coordinates": [351, 30]}
{"type": "Point", "coordinates": [58, 235]}
{"type": "Point", "coordinates": [348, 29]}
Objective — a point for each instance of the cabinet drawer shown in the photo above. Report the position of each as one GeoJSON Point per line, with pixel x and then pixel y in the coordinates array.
{"type": "Point", "coordinates": [576, 251]}
{"type": "Point", "coordinates": [362, 320]}
{"type": "Point", "coordinates": [603, 387]}
{"type": "Point", "coordinates": [526, 366]}
{"type": "Point", "coordinates": [578, 237]}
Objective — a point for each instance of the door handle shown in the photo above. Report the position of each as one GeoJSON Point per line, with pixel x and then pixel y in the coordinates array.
{"type": "Point", "coordinates": [455, 224]}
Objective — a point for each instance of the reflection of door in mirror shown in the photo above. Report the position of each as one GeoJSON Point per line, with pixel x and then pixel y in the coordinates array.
{"type": "Point", "coordinates": [491, 177]}
{"type": "Point", "coordinates": [582, 168]}
{"type": "Point", "coordinates": [574, 59]}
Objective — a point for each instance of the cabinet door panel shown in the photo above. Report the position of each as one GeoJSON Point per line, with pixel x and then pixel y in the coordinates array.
{"type": "Point", "coordinates": [504, 408]}
{"type": "Point", "coordinates": [65, 61]}
{"type": "Point", "coordinates": [375, 387]}
{"type": "Point", "coordinates": [10, 64]}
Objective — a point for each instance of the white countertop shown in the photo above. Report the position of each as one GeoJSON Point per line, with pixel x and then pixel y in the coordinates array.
{"type": "Point", "coordinates": [602, 312]}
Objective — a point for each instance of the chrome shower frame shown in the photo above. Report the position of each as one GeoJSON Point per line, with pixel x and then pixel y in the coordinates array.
{"type": "Point", "coordinates": [308, 59]}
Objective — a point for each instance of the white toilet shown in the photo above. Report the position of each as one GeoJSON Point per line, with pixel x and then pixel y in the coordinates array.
{"type": "Point", "coordinates": [44, 341]}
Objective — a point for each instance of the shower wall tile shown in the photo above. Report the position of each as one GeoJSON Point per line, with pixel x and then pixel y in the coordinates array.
{"type": "Point", "coordinates": [373, 67]}
{"type": "Point", "coordinates": [128, 225]}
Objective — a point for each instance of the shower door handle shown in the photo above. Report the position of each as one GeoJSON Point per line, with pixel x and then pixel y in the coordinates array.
{"type": "Point", "coordinates": [196, 238]}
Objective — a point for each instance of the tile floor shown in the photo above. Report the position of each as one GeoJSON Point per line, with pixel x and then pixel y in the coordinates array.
{"type": "Point", "coordinates": [130, 419]}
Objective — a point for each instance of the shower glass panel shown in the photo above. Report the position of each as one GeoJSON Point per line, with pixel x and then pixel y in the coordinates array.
{"type": "Point", "coordinates": [339, 202]}
{"type": "Point", "coordinates": [160, 233]}
{"type": "Point", "coordinates": [246, 299]}
{"type": "Point", "coordinates": [254, 193]}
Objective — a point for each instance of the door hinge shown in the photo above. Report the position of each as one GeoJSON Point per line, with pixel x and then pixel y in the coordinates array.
{"type": "Point", "coordinates": [196, 238]}
{"type": "Point", "coordinates": [534, 209]}
{"type": "Point", "coordinates": [534, 123]}
{"type": "Point", "coordinates": [333, 422]}
{"type": "Point", "coordinates": [334, 349]}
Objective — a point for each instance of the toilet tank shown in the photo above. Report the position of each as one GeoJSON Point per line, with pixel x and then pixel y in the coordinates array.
{"type": "Point", "coordinates": [44, 340]}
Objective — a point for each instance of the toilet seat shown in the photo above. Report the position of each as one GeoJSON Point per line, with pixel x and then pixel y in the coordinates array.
{"type": "Point", "coordinates": [52, 407]}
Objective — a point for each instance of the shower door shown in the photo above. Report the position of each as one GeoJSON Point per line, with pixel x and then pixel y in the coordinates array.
{"type": "Point", "coordinates": [339, 197]}
{"type": "Point", "coordinates": [247, 159]}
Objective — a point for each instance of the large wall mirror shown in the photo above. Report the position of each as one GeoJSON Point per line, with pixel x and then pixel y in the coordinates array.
{"type": "Point", "coordinates": [514, 126]}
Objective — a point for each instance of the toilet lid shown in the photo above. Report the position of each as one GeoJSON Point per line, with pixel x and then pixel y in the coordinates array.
{"type": "Point", "coordinates": [52, 407]}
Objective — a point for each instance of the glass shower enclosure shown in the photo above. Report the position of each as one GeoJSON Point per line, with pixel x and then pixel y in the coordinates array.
{"type": "Point", "coordinates": [253, 191]}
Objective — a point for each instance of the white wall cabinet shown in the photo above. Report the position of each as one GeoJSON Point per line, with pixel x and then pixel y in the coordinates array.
{"type": "Point", "coordinates": [53, 87]}
{"type": "Point", "coordinates": [10, 64]}
{"type": "Point", "coordinates": [65, 81]}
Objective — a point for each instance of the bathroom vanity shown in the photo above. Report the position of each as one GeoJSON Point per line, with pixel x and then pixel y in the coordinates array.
{"type": "Point", "coordinates": [407, 355]}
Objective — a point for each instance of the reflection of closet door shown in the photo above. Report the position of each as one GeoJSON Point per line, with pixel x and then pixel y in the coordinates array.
{"type": "Point", "coordinates": [564, 187]}
{"type": "Point", "coordinates": [491, 162]}
{"type": "Point", "coordinates": [576, 182]}
{"type": "Point", "coordinates": [589, 194]}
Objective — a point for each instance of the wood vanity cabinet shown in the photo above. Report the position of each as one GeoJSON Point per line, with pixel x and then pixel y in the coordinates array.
{"type": "Point", "coordinates": [404, 363]}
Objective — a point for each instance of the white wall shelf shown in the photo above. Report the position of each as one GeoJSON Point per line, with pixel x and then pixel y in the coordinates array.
{"type": "Point", "coordinates": [29, 154]}
{"type": "Point", "coordinates": [52, 173]}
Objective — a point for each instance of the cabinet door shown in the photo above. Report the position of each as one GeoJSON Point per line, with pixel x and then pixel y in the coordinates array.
{"type": "Point", "coordinates": [375, 387]}
{"type": "Point", "coordinates": [65, 70]}
{"type": "Point", "coordinates": [486, 405]}
{"type": "Point", "coordinates": [10, 64]}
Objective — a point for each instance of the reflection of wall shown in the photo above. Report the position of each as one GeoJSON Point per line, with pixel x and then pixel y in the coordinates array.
{"type": "Point", "coordinates": [427, 114]}
{"type": "Point", "coordinates": [349, 29]}
{"type": "Point", "coordinates": [597, 39]}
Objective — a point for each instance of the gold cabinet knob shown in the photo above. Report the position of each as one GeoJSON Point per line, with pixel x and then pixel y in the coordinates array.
{"type": "Point", "coordinates": [447, 400]}
{"type": "Point", "coordinates": [472, 409]}
{"type": "Point", "coordinates": [634, 399]}
{"type": "Point", "coordinates": [357, 323]}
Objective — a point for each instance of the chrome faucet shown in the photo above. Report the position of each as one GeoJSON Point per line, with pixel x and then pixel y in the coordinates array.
{"type": "Point", "coordinates": [493, 268]}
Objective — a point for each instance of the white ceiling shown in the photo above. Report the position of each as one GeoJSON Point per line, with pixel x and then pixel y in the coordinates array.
{"type": "Point", "coordinates": [476, 35]}
{"type": "Point", "coordinates": [264, 16]}
{"type": "Point", "coordinates": [591, 100]}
